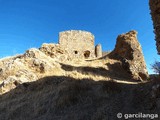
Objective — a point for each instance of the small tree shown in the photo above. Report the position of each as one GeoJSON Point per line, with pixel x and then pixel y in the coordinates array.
{"type": "Point", "coordinates": [156, 67]}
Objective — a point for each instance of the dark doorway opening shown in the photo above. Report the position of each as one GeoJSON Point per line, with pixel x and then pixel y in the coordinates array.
{"type": "Point", "coordinates": [87, 54]}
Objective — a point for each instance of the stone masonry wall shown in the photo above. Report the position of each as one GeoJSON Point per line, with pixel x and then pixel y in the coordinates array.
{"type": "Point", "coordinates": [128, 50]}
{"type": "Point", "coordinates": [78, 43]}
{"type": "Point", "coordinates": [98, 50]}
{"type": "Point", "coordinates": [155, 13]}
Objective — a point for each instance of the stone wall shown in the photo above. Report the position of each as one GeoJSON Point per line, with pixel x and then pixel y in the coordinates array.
{"type": "Point", "coordinates": [128, 50]}
{"type": "Point", "coordinates": [79, 44]}
{"type": "Point", "coordinates": [98, 50]}
{"type": "Point", "coordinates": [155, 13]}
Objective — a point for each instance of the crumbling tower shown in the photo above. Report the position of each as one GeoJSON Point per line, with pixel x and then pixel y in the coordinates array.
{"type": "Point", "coordinates": [78, 44]}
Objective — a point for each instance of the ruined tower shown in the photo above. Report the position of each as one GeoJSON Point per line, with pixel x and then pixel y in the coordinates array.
{"type": "Point", "coordinates": [155, 13]}
{"type": "Point", "coordinates": [128, 50]}
{"type": "Point", "coordinates": [77, 43]}
{"type": "Point", "coordinates": [98, 50]}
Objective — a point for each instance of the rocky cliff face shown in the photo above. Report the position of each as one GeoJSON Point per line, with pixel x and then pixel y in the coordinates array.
{"type": "Point", "coordinates": [128, 50]}
{"type": "Point", "coordinates": [155, 13]}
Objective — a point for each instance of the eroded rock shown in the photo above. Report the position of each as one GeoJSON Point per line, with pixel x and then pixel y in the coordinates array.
{"type": "Point", "coordinates": [55, 51]}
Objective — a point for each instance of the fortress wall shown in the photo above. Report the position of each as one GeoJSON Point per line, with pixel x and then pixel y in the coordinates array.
{"type": "Point", "coordinates": [78, 43]}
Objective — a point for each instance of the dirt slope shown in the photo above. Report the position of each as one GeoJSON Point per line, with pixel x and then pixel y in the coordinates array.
{"type": "Point", "coordinates": [66, 98]}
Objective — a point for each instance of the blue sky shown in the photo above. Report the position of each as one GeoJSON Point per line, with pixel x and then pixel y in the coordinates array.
{"type": "Point", "coordinates": [29, 23]}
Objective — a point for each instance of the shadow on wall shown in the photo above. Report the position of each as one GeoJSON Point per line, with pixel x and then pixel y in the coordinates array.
{"type": "Point", "coordinates": [65, 98]}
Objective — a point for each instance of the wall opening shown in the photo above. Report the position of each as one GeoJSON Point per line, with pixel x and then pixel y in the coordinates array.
{"type": "Point", "coordinates": [87, 54]}
{"type": "Point", "coordinates": [75, 52]}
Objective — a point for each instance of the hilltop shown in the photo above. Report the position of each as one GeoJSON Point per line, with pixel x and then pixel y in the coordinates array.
{"type": "Point", "coordinates": [64, 81]}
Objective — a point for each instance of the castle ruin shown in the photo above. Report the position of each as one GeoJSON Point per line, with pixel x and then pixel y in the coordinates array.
{"type": "Point", "coordinates": [79, 44]}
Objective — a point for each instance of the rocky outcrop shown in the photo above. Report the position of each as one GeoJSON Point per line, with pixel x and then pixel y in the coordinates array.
{"type": "Point", "coordinates": [128, 50]}
{"type": "Point", "coordinates": [155, 13]}
{"type": "Point", "coordinates": [55, 51]}
{"type": "Point", "coordinates": [30, 66]}
{"type": "Point", "coordinates": [38, 61]}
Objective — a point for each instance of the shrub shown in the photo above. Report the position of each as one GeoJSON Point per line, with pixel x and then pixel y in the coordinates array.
{"type": "Point", "coordinates": [156, 67]}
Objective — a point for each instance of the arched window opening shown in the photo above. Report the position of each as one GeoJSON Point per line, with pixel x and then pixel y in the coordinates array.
{"type": "Point", "coordinates": [87, 54]}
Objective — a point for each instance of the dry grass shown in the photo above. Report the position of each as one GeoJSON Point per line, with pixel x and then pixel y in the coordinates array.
{"type": "Point", "coordinates": [70, 93]}
{"type": "Point", "coordinates": [58, 93]}
{"type": "Point", "coordinates": [77, 90]}
{"type": "Point", "coordinates": [65, 98]}
{"type": "Point", "coordinates": [101, 69]}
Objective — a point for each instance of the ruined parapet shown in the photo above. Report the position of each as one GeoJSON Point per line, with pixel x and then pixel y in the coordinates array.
{"type": "Point", "coordinates": [128, 50]}
{"type": "Point", "coordinates": [98, 50]}
{"type": "Point", "coordinates": [155, 13]}
{"type": "Point", "coordinates": [79, 44]}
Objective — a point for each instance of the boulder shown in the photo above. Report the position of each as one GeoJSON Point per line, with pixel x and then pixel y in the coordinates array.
{"type": "Point", "coordinates": [128, 50]}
